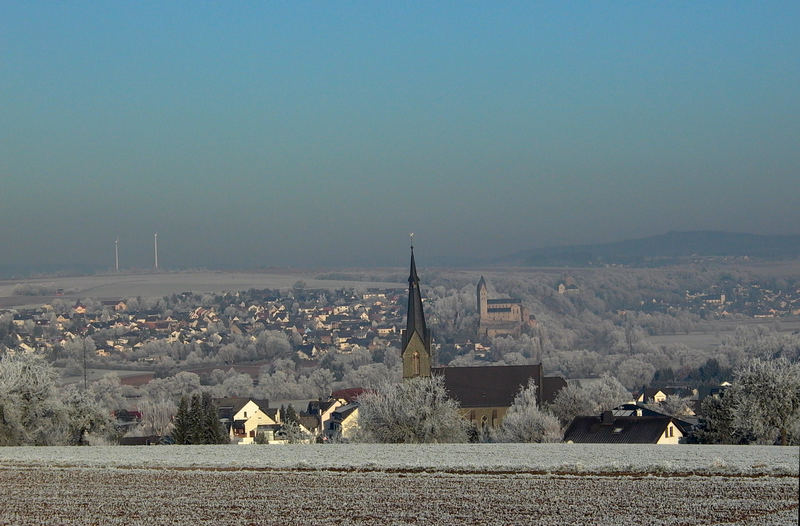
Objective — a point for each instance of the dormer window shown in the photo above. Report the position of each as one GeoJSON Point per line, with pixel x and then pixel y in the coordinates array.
{"type": "Point", "coordinates": [617, 430]}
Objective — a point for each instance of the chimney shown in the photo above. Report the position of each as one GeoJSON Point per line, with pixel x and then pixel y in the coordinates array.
{"type": "Point", "coordinates": [607, 418]}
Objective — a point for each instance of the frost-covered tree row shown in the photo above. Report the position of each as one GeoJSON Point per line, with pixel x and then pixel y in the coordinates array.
{"type": "Point", "coordinates": [419, 411]}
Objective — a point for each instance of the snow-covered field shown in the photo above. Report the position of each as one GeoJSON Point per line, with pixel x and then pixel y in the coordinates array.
{"type": "Point", "coordinates": [400, 484]}
{"type": "Point", "coordinates": [156, 285]}
{"type": "Point", "coordinates": [555, 458]}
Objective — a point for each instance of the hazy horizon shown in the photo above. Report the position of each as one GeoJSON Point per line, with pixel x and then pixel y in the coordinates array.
{"type": "Point", "coordinates": [315, 135]}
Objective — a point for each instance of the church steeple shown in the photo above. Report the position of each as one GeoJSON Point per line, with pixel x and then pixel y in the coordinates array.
{"type": "Point", "coordinates": [417, 357]}
{"type": "Point", "coordinates": [416, 317]}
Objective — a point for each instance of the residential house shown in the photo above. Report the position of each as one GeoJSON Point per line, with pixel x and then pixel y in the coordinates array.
{"type": "Point", "coordinates": [610, 429]}
{"type": "Point", "coordinates": [243, 416]}
{"type": "Point", "coordinates": [343, 423]}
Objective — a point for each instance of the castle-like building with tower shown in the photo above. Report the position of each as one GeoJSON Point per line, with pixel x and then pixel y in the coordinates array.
{"type": "Point", "coordinates": [501, 316]}
{"type": "Point", "coordinates": [485, 393]}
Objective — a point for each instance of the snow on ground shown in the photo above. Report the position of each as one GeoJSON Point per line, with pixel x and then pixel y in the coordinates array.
{"type": "Point", "coordinates": [531, 458]}
{"type": "Point", "coordinates": [162, 284]}
{"type": "Point", "coordinates": [494, 484]}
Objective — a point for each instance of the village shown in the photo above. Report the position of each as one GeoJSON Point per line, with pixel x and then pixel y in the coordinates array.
{"type": "Point", "coordinates": [293, 347]}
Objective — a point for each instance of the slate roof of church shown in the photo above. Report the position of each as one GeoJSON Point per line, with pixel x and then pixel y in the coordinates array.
{"type": "Point", "coordinates": [488, 386]}
{"type": "Point", "coordinates": [551, 385]}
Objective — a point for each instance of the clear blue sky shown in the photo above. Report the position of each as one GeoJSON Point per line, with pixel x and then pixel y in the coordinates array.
{"type": "Point", "coordinates": [315, 134]}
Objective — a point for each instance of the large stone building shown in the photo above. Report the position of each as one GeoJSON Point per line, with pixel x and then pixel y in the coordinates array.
{"type": "Point", "coordinates": [484, 393]}
{"type": "Point", "coordinates": [500, 316]}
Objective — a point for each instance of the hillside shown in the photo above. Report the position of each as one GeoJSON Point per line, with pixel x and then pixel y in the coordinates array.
{"type": "Point", "coordinates": [668, 248]}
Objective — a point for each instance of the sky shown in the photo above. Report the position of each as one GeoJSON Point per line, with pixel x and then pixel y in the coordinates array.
{"type": "Point", "coordinates": [319, 134]}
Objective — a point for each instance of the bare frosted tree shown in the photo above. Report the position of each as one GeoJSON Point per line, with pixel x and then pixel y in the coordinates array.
{"type": "Point", "coordinates": [635, 371]}
{"type": "Point", "coordinates": [673, 405]}
{"type": "Point", "coordinates": [235, 384]}
{"type": "Point", "coordinates": [157, 416]}
{"type": "Point", "coordinates": [31, 410]}
{"type": "Point", "coordinates": [608, 393]}
{"type": "Point", "coordinates": [572, 401]}
{"type": "Point", "coordinates": [603, 395]}
{"type": "Point", "coordinates": [417, 410]}
{"type": "Point", "coordinates": [765, 400]}
{"type": "Point", "coordinates": [526, 422]}
{"type": "Point", "coordinates": [89, 422]}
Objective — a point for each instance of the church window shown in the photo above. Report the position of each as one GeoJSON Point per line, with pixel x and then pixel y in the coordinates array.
{"type": "Point", "coordinates": [415, 363]}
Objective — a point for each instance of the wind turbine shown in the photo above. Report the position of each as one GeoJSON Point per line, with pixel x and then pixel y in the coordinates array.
{"type": "Point", "coordinates": [116, 254]}
{"type": "Point", "coordinates": [155, 247]}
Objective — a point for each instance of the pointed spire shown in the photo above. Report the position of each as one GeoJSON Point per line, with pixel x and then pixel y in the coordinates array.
{"type": "Point", "coordinates": [416, 317]}
{"type": "Point", "coordinates": [412, 276]}
{"type": "Point", "coordinates": [416, 350]}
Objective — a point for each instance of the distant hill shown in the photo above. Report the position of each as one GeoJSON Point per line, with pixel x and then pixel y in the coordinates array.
{"type": "Point", "coordinates": [662, 249]}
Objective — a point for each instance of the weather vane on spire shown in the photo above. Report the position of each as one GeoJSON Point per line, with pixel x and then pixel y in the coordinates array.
{"type": "Point", "coordinates": [411, 235]}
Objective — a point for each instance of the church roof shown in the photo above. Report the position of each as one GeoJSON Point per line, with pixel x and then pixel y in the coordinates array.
{"type": "Point", "coordinates": [496, 386]}
{"type": "Point", "coordinates": [487, 386]}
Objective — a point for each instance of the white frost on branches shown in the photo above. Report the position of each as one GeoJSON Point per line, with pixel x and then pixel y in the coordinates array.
{"type": "Point", "coordinates": [765, 401]}
{"type": "Point", "coordinates": [526, 422]}
{"type": "Point", "coordinates": [34, 412]}
{"type": "Point", "coordinates": [593, 399]}
{"type": "Point", "coordinates": [417, 410]}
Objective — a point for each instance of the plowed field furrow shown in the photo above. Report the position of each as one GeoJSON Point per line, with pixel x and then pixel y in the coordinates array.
{"type": "Point", "coordinates": [82, 496]}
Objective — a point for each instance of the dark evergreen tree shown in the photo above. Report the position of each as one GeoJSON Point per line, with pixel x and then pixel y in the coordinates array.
{"type": "Point", "coordinates": [213, 431]}
{"type": "Point", "coordinates": [181, 434]}
{"type": "Point", "coordinates": [290, 415]}
{"type": "Point", "coordinates": [196, 434]}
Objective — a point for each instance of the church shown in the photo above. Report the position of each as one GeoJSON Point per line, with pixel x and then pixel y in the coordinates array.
{"type": "Point", "coordinates": [485, 392]}
{"type": "Point", "coordinates": [500, 316]}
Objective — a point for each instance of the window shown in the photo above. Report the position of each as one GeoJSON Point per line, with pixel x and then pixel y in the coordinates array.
{"type": "Point", "coordinates": [415, 363]}
{"type": "Point", "coordinates": [671, 432]}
